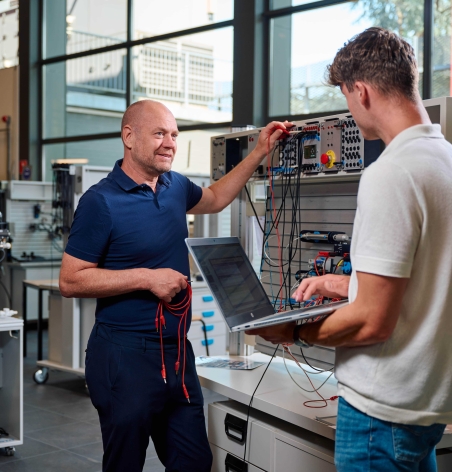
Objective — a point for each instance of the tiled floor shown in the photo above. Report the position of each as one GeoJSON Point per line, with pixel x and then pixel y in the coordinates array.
{"type": "Point", "coordinates": [61, 429]}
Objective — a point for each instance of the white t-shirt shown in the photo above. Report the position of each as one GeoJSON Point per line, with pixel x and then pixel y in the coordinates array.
{"type": "Point", "coordinates": [403, 228]}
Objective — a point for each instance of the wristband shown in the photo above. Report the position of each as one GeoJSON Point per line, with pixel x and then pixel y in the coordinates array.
{"type": "Point", "coordinates": [297, 340]}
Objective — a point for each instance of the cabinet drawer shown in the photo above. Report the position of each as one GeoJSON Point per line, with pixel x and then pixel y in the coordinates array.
{"type": "Point", "coordinates": [209, 316]}
{"type": "Point", "coordinates": [219, 461]}
{"type": "Point", "coordinates": [217, 345]}
{"type": "Point", "coordinates": [293, 459]}
{"type": "Point", "coordinates": [201, 302]}
{"type": "Point", "coordinates": [258, 452]}
{"type": "Point", "coordinates": [211, 329]}
{"type": "Point", "coordinates": [272, 444]}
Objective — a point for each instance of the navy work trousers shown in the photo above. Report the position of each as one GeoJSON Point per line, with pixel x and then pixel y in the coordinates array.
{"type": "Point", "coordinates": [123, 374]}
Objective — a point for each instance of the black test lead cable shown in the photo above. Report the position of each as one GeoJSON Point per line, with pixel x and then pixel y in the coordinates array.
{"type": "Point", "coordinates": [254, 210]}
{"type": "Point", "coordinates": [252, 398]}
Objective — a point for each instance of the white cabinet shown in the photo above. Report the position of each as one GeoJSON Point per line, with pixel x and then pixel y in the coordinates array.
{"type": "Point", "coordinates": [224, 461]}
{"type": "Point", "coordinates": [204, 306]}
{"type": "Point", "coordinates": [272, 445]}
{"type": "Point", "coordinates": [11, 381]}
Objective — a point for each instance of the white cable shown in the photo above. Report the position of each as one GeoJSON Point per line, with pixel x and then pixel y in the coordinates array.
{"type": "Point", "coordinates": [283, 261]}
{"type": "Point", "coordinates": [267, 257]}
{"type": "Point", "coordinates": [319, 371]}
{"type": "Point", "coordinates": [316, 390]}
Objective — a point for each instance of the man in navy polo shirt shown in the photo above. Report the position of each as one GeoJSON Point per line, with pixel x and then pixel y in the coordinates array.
{"type": "Point", "coordinates": [127, 249]}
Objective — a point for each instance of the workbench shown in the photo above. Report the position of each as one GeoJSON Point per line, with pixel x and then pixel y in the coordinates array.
{"type": "Point", "coordinates": [281, 423]}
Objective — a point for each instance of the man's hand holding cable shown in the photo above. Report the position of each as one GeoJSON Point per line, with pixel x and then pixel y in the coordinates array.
{"type": "Point", "coordinates": [165, 283]}
{"type": "Point", "coordinates": [221, 193]}
{"type": "Point", "coordinates": [269, 135]}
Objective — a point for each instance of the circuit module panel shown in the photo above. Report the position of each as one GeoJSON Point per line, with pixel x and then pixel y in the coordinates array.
{"type": "Point", "coordinates": [332, 145]}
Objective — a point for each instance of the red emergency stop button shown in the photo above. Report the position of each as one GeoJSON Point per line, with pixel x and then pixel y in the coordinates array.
{"type": "Point", "coordinates": [328, 159]}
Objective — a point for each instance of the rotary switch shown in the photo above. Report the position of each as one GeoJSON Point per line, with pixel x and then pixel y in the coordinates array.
{"type": "Point", "coordinates": [328, 159]}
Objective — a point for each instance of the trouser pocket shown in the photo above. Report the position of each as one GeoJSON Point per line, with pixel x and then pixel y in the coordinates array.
{"type": "Point", "coordinates": [102, 369]}
{"type": "Point", "coordinates": [413, 443]}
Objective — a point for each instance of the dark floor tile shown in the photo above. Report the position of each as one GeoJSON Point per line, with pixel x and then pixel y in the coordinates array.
{"type": "Point", "coordinates": [153, 465]}
{"type": "Point", "coordinates": [46, 396]}
{"type": "Point", "coordinates": [93, 451]}
{"type": "Point", "coordinates": [30, 448]}
{"type": "Point", "coordinates": [150, 453]}
{"type": "Point", "coordinates": [38, 419]}
{"type": "Point", "coordinates": [28, 408]}
{"type": "Point", "coordinates": [82, 410]}
{"type": "Point", "coordinates": [69, 435]}
{"type": "Point", "coordinates": [55, 461]}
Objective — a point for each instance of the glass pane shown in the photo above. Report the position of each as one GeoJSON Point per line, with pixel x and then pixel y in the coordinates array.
{"type": "Point", "coordinates": [9, 34]}
{"type": "Point", "coordinates": [191, 75]}
{"type": "Point", "coordinates": [99, 152]}
{"type": "Point", "coordinates": [85, 95]}
{"type": "Point", "coordinates": [192, 157]}
{"type": "Point", "coordinates": [78, 25]}
{"type": "Point", "coordinates": [441, 60]}
{"type": "Point", "coordinates": [276, 4]}
{"type": "Point", "coordinates": [301, 69]}
{"type": "Point", "coordinates": [154, 17]}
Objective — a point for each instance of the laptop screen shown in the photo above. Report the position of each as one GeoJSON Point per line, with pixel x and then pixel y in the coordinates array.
{"type": "Point", "coordinates": [233, 282]}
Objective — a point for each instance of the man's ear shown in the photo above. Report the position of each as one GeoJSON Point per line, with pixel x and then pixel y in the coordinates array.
{"type": "Point", "coordinates": [363, 94]}
{"type": "Point", "coordinates": [127, 136]}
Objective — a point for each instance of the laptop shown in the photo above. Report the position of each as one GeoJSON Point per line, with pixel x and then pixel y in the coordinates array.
{"type": "Point", "coordinates": [238, 292]}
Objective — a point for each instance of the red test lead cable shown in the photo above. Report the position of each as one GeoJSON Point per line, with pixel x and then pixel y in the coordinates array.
{"type": "Point", "coordinates": [180, 310]}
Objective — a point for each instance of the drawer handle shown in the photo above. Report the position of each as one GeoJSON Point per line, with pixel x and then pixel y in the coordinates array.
{"type": "Point", "coordinates": [208, 328]}
{"type": "Point", "coordinates": [234, 464]}
{"type": "Point", "coordinates": [208, 314]}
{"type": "Point", "coordinates": [235, 428]}
{"type": "Point", "coordinates": [208, 343]}
{"type": "Point", "coordinates": [207, 298]}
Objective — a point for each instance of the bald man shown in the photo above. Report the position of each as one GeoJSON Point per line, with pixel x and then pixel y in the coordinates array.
{"type": "Point", "coordinates": [127, 249]}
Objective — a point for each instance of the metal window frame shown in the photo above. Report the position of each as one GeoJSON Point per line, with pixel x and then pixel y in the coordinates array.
{"type": "Point", "coordinates": [266, 17]}
{"type": "Point", "coordinates": [128, 45]}
{"type": "Point", "coordinates": [427, 49]}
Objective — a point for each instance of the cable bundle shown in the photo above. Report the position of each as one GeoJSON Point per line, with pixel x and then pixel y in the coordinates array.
{"type": "Point", "coordinates": [180, 310]}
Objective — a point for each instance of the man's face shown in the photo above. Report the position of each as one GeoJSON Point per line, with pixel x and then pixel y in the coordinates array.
{"type": "Point", "coordinates": [362, 116]}
{"type": "Point", "coordinates": [155, 143]}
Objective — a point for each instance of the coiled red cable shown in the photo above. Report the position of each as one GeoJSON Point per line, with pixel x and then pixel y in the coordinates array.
{"type": "Point", "coordinates": [180, 310]}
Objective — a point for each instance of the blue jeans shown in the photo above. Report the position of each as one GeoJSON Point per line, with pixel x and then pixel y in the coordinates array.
{"type": "Point", "coordinates": [365, 444]}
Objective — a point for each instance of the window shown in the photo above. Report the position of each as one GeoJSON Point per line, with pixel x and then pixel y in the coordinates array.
{"type": "Point", "coordinates": [192, 75]}
{"type": "Point", "coordinates": [84, 96]}
{"type": "Point", "coordinates": [154, 17]}
{"type": "Point", "coordinates": [80, 25]}
{"type": "Point", "coordinates": [98, 152]}
{"type": "Point", "coordinates": [302, 45]}
{"type": "Point", "coordinates": [9, 33]}
{"type": "Point", "coordinates": [441, 57]}
{"type": "Point", "coordinates": [85, 92]}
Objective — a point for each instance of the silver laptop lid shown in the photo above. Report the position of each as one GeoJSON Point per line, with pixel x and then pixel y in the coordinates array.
{"type": "Point", "coordinates": [231, 278]}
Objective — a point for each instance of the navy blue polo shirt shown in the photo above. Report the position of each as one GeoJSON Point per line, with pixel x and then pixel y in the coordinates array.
{"type": "Point", "coordinates": [120, 225]}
